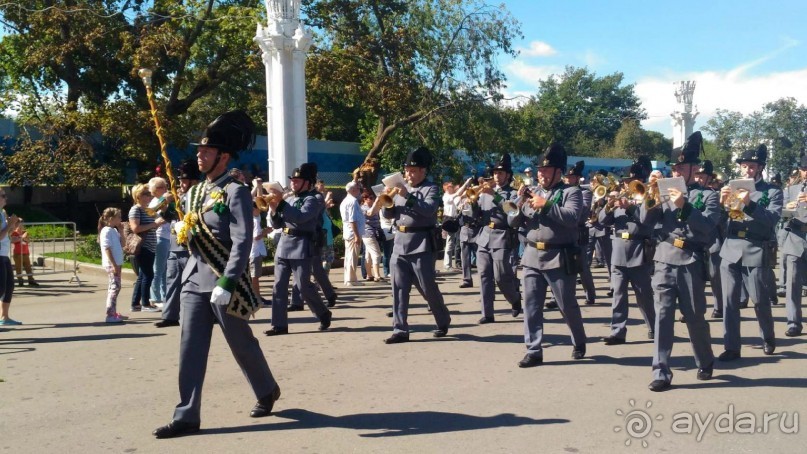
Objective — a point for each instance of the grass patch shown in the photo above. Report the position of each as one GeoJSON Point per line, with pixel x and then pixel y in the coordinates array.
{"type": "Point", "coordinates": [82, 258]}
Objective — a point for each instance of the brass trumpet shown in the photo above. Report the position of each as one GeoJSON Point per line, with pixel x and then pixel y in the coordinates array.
{"type": "Point", "coordinates": [734, 204]}
{"type": "Point", "coordinates": [386, 199]}
{"type": "Point", "coordinates": [472, 193]}
{"type": "Point", "coordinates": [162, 204]}
{"type": "Point", "coordinates": [645, 193]}
{"type": "Point", "coordinates": [605, 185]}
{"type": "Point", "coordinates": [262, 201]}
{"type": "Point", "coordinates": [510, 208]}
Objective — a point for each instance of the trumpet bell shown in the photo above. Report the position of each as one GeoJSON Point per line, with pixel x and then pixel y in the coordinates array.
{"type": "Point", "coordinates": [600, 192]}
{"type": "Point", "coordinates": [510, 208]}
{"type": "Point", "coordinates": [386, 201]}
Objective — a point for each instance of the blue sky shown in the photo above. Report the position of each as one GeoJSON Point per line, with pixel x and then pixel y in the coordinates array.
{"type": "Point", "coordinates": [741, 53]}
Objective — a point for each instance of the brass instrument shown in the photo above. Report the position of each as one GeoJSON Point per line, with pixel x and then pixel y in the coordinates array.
{"type": "Point", "coordinates": [794, 204]}
{"type": "Point", "coordinates": [605, 185]}
{"type": "Point", "coordinates": [162, 204]}
{"type": "Point", "coordinates": [145, 75]}
{"type": "Point", "coordinates": [386, 197]}
{"type": "Point", "coordinates": [735, 205]}
{"type": "Point", "coordinates": [599, 192]}
{"type": "Point", "coordinates": [472, 193]}
{"type": "Point", "coordinates": [645, 193]}
{"type": "Point", "coordinates": [510, 208]}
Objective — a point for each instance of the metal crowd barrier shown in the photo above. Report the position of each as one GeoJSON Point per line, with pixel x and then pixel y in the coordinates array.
{"type": "Point", "coordinates": [43, 264]}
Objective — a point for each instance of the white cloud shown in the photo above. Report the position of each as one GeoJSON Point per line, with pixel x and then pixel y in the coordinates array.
{"type": "Point", "coordinates": [733, 90]}
{"type": "Point", "coordinates": [592, 59]}
{"type": "Point", "coordinates": [530, 74]}
{"type": "Point", "coordinates": [538, 49]}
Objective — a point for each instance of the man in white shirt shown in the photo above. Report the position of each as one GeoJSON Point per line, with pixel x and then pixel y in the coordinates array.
{"type": "Point", "coordinates": [528, 180]}
{"type": "Point", "coordinates": [449, 211]}
{"type": "Point", "coordinates": [352, 228]}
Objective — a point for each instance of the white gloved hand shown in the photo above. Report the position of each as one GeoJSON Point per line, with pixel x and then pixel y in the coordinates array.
{"type": "Point", "coordinates": [220, 296]}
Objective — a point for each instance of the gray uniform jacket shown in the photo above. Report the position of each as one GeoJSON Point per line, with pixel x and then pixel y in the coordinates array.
{"type": "Point", "coordinates": [585, 211]}
{"type": "Point", "coordinates": [746, 239]}
{"type": "Point", "coordinates": [469, 227]}
{"type": "Point", "coordinates": [795, 229]}
{"type": "Point", "coordinates": [417, 211]}
{"type": "Point", "coordinates": [629, 235]}
{"type": "Point", "coordinates": [299, 217]}
{"type": "Point", "coordinates": [597, 230]}
{"type": "Point", "coordinates": [232, 228]}
{"type": "Point", "coordinates": [489, 212]}
{"type": "Point", "coordinates": [555, 225]}
{"type": "Point", "coordinates": [697, 228]}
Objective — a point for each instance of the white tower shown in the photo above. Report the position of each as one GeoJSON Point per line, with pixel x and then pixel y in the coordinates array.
{"type": "Point", "coordinates": [684, 114]}
{"type": "Point", "coordinates": [285, 43]}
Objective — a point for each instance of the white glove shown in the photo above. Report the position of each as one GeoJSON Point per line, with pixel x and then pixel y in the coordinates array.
{"type": "Point", "coordinates": [220, 296]}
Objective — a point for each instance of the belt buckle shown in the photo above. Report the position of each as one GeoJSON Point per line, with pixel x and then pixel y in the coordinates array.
{"type": "Point", "coordinates": [741, 234]}
{"type": "Point", "coordinates": [540, 246]}
{"type": "Point", "coordinates": [402, 228]}
{"type": "Point", "coordinates": [679, 243]}
{"type": "Point", "coordinates": [492, 225]}
{"type": "Point", "coordinates": [286, 230]}
{"type": "Point", "coordinates": [625, 235]}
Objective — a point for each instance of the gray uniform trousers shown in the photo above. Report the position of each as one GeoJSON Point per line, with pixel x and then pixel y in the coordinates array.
{"type": "Point", "coordinates": [797, 266]}
{"type": "Point", "coordinates": [684, 283]}
{"type": "Point", "coordinates": [198, 317]}
{"type": "Point", "coordinates": [535, 282]}
{"type": "Point", "coordinates": [639, 277]}
{"type": "Point", "coordinates": [755, 277]}
{"type": "Point", "coordinates": [301, 269]}
{"type": "Point", "coordinates": [176, 264]}
{"type": "Point", "coordinates": [496, 268]}
{"type": "Point", "coordinates": [466, 248]}
{"type": "Point", "coordinates": [418, 269]}
{"type": "Point", "coordinates": [321, 277]}
{"type": "Point", "coordinates": [715, 281]}
{"type": "Point", "coordinates": [781, 283]}
{"type": "Point", "coordinates": [587, 280]}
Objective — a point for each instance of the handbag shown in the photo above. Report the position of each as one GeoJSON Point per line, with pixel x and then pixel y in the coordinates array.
{"type": "Point", "coordinates": [132, 241]}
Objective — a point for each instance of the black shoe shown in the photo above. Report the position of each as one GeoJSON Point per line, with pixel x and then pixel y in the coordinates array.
{"type": "Point", "coordinates": [397, 339]}
{"type": "Point", "coordinates": [579, 281]}
{"type": "Point", "coordinates": [683, 319]}
{"type": "Point", "coordinates": [729, 355]}
{"type": "Point", "coordinates": [551, 304]}
{"type": "Point", "coordinates": [166, 323]}
{"type": "Point", "coordinates": [440, 332]}
{"type": "Point", "coordinates": [33, 284]}
{"type": "Point", "coordinates": [744, 305]}
{"type": "Point", "coordinates": [530, 361]}
{"type": "Point", "coordinates": [466, 285]}
{"type": "Point", "coordinates": [651, 334]}
{"type": "Point", "coordinates": [292, 308]}
{"type": "Point", "coordinates": [613, 340]}
{"type": "Point", "coordinates": [275, 331]}
{"type": "Point", "coordinates": [517, 309]}
{"type": "Point", "coordinates": [325, 321]}
{"type": "Point", "coordinates": [332, 301]}
{"type": "Point", "coordinates": [175, 429]}
{"type": "Point", "coordinates": [389, 314]}
{"type": "Point", "coordinates": [590, 302]}
{"type": "Point", "coordinates": [768, 347]}
{"type": "Point", "coordinates": [579, 352]}
{"type": "Point", "coordinates": [610, 293]}
{"type": "Point", "coordinates": [781, 293]}
{"type": "Point", "coordinates": [793, 332]}
{"type": "Point", "coordinates": [774, 301]}
{"type": "Point", "coordinates": [486, 320]}
{"type": "Point", "coordinates": [705, 373]}
{"type": "Point", "coordinates": [264, 405]}
{"type": "Point", "coordinates": [659, 385]}
{"type": "Point", "coordinates": [717, 314]}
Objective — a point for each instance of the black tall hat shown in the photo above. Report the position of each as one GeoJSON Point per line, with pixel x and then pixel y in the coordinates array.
{"type": "Point", "coordinates": [707, 167]}
{"type": "Point", "coordinates": [231, 132]}
{"type": "Point", "coordinates": [307, 171]}
{"type": "Point", "coordinates": [577, 169]}
{"type": "Point", "coordinates": [640, 169]}
{"type": "Point", "coordinates": [420, 157]}
{"type": "Point", "coordinates": [189, 170]}
{"type": "Point", "coordinates": [488, 174]}
{"type": "Point", "coordinates": [554, 156]}
{"type": "Point", "coordinates": [505, 164]}
{"type": "Point", "coordinates": [758, 155]}
{"type": "Point", "coordinates": [690, 152]}
{"type": "Point", "coordinates": [777, 179]}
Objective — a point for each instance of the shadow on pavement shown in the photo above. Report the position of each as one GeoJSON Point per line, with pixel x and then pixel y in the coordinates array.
{"type": "Point", "coordinates": [92, 337]}
{"type": "Point", "coordinates": [390, 424]}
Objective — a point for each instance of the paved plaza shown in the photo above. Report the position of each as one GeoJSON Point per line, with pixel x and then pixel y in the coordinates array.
{"type": "Point", "coordinates": [71, 383]}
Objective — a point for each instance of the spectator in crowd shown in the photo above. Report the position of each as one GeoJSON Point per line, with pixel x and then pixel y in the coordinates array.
{"type": "Point", "coordinates": [449, 211]}
{"type": "Point", "coordinates": [22, 255]}
{"type": "Point", "coordinates": [111, 259]}
{"type": "Point", "coordinates": [352, 228]}
{"type": "Point", "coordinates": [144, 225]}
{"type": "Point", "coordinates": [159, 195]}
{"type": "Point", "coordinates": [7, 225]}
{"type": "Point", "coordinates": [257, 253]}
{"type": "Point", "coordinates": [371, 236]}
{"type": "Point", "coordinates": [388, 229]}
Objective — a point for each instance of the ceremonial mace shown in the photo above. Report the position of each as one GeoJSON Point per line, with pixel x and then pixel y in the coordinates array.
{"type": "Point", "coordinates": [145, 75]}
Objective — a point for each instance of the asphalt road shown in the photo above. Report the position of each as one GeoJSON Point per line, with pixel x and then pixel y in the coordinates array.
{"type": "Point", "coordinates": [73, 384]}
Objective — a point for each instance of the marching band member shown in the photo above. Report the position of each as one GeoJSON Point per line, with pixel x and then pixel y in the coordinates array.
{"type": "Point", "coordinates": [705, 177]}
{"type": "Point", "coordinates": [631, 256]}
{"type": "Point", "coordinates": [747, 253]}
{"type": "Point", "coordinates": [551, 256]}
{"type": "Point", "coordinates": [794, 249]}
{"type": "Point", "coordinates": [496, 242]}
{"type": "Point", "coordinates": [572, 178]}
{"type": "Point", "coordinates": [688, 224]}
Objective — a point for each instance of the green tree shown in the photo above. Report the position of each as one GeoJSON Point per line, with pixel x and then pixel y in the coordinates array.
{"type": "Point", "coordinates": [582, 111]}
{"type": "Point", "coordinates": [405, 61]}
